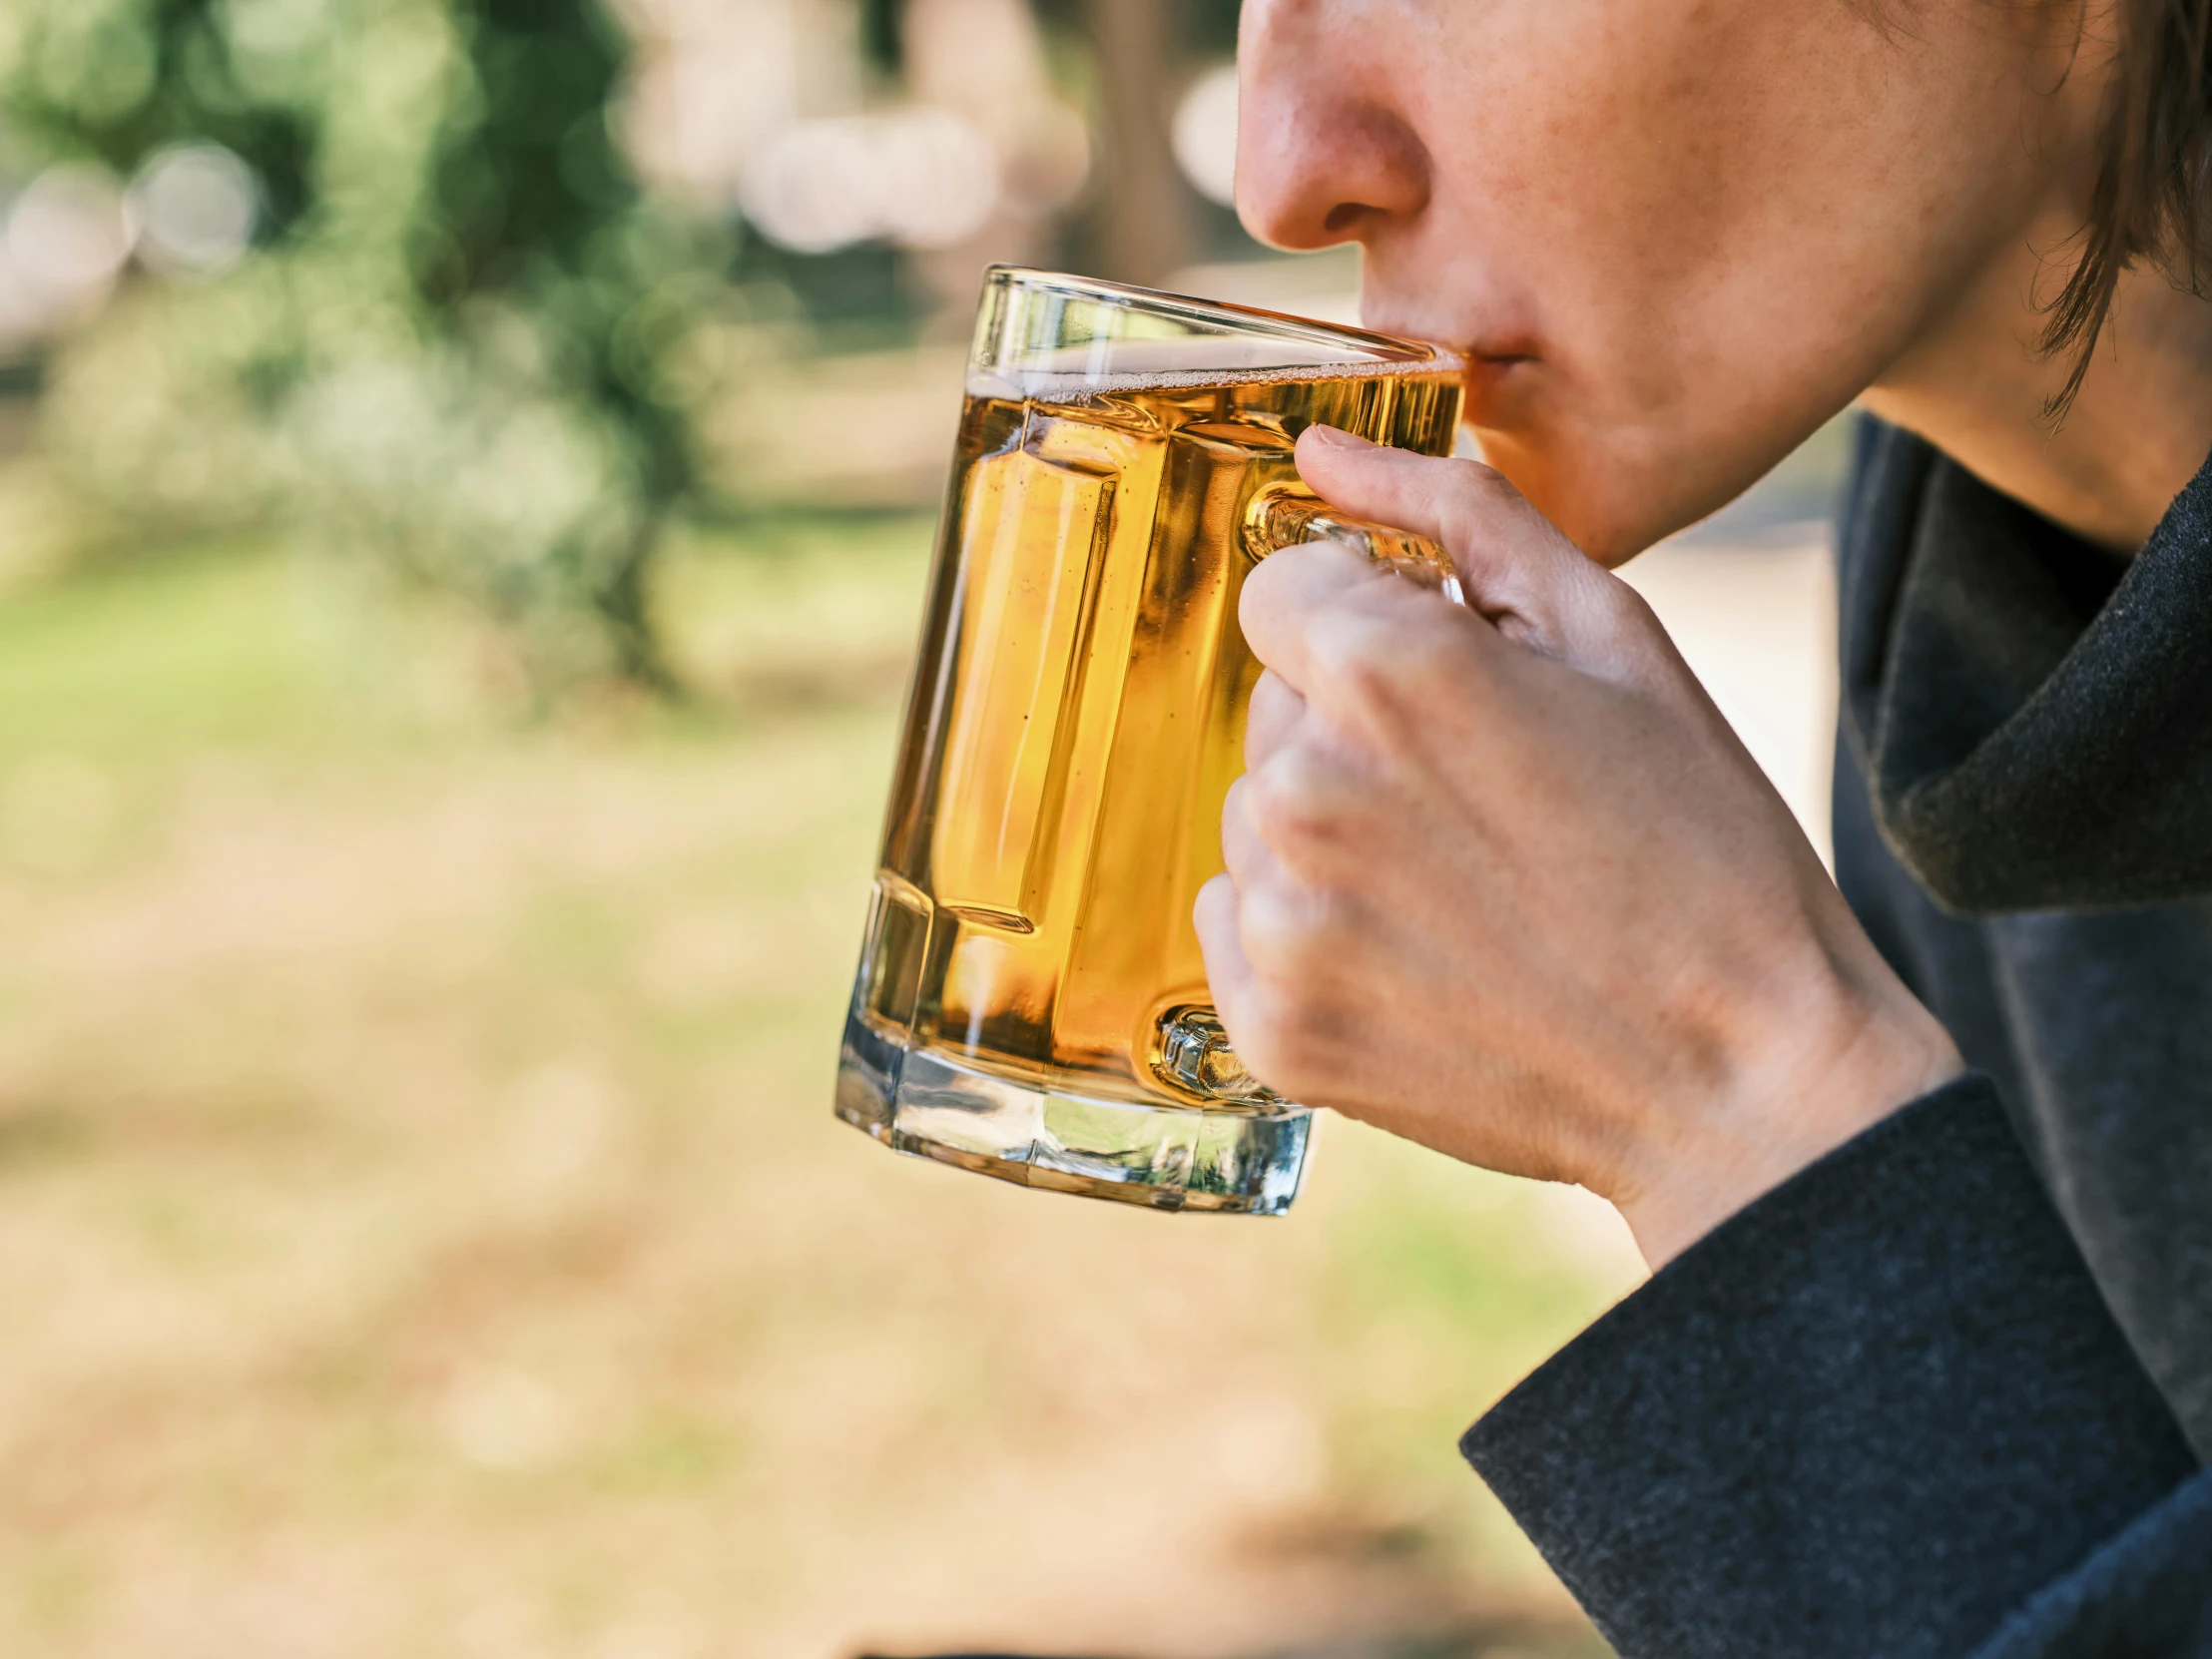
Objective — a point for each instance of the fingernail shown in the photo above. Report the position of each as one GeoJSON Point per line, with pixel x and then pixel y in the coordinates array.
{"type": "Point", "coordinates": [1338, 437]}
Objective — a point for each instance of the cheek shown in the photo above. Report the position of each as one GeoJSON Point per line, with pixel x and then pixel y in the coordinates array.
{"type": "Point", "coordinates": [1721, 225]}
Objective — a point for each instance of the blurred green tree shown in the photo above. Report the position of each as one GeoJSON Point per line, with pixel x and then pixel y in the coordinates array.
{"type": "Point", "coordinates": [459, 349]}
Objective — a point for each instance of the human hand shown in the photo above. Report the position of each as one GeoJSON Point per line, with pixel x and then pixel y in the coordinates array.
{"type": "Point", "coordinates": [1501, 880]}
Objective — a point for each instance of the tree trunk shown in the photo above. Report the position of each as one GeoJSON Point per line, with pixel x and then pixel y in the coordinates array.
{"type": "Point", "coordinates": [1141, 227]}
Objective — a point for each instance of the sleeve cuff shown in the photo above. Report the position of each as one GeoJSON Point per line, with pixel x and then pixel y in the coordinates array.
{"type": "Point", "coordinates": [1871, 1413]}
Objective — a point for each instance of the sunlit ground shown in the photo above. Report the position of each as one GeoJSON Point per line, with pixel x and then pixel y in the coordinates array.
{"type": "Point", "coordinates": [423, 1233]}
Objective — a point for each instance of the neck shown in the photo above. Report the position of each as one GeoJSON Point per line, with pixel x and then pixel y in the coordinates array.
{"type": "Point", "coordinates": [1976, 385]}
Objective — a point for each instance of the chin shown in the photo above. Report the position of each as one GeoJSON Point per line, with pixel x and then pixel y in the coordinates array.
{"type": "Point", "coordinates": [1593, 504]}
{"type": "Point", "coordinates": [1515, 422]}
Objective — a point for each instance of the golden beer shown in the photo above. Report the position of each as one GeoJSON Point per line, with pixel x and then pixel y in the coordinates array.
{"type": "Point", "coordinates": [1031, 1001]}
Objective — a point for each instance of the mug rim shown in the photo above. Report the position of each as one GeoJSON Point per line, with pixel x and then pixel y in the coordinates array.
{"type": "Point", "coordinates": [1372, 347]}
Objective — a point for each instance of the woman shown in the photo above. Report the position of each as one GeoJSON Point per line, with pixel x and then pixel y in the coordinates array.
{"type": "Point", "coordinates": [1924, 1168]}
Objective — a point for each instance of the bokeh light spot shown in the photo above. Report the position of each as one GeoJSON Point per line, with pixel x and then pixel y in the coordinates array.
{"type": "Point", "coordinates": [195, 206]}
{"type": "Point", "coordinates": [1206, 134]}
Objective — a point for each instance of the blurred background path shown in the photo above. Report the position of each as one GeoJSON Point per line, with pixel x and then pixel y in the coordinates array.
{"type": "Point", "coordinates": [462, 522]}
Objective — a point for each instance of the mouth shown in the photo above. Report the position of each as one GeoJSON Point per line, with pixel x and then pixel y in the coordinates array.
{"type": "Point", "coordinates": [1498, 364]}
{"type": "Point", "coordinates": [1493, 380]}
{"type": "Point", "coordinates": [1495, 356]}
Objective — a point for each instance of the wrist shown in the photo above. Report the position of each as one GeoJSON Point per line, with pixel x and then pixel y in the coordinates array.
{"type": "Point", "coordinates": [1815, 1079]}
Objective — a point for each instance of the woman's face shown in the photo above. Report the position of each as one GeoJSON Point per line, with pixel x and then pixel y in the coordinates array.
{"type": "Point", "coordinates": [1674, 236]}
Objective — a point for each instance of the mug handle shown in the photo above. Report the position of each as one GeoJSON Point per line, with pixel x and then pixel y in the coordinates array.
{"type": "Point", "coordinates": [1285, 514]}
{"type": "Point", "coordinates": [1191, 1050]}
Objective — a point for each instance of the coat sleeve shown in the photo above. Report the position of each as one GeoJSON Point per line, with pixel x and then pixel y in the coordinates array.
{"type": "Point", "coordinates": [1881, 1411]}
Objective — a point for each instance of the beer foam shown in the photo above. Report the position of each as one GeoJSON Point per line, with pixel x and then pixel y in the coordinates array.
{"type": "Point", "coordinates": [1105, 368]}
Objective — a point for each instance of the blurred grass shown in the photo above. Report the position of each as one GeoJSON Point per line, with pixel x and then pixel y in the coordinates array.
{"type": "Point", "coordinates": [422, 1230]}
{"type": "Point", "coordinates": [157, 657]}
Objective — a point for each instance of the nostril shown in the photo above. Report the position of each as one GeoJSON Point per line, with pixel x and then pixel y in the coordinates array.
{"type": "Point", "coordinates": [1342, 217]}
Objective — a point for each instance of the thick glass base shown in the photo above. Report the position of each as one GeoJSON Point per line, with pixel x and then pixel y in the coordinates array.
{"type": "Point", "coordinates": [917, 1101]}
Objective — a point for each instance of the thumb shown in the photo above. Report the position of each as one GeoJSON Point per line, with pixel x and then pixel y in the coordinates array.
{"type": "Point", "coordinates": [1518, 569]}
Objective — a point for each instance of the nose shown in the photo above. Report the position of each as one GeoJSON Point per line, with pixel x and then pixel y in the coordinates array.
{"type": "Point", "coordinates": [1320, 157]}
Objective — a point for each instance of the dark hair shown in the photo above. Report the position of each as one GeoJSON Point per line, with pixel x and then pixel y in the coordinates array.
{"type": "Point", "coordinates": [2148, 202]}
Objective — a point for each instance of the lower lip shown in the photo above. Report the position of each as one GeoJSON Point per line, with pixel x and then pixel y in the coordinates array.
{"type": "Point", "coordinates": [1487, 376]}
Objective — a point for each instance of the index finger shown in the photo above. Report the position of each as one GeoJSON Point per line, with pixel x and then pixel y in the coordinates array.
{"type": "Point", "coordinates": [1520, 571]}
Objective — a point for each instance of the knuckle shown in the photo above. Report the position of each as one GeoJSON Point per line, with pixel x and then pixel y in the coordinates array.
{"type": "Point", "coordinates": [1268, 601]}
{"type": "Point", "coordinates": [1262, 588]}
{"type": "Point", "coordinates": [1236, 803]}
{"type": "Point", "coordinates": [1351, 650]}
{"type": "Point", "coordinates": [1271, 719]}
{"type": "Point", "coordinates": [1616, 605]}
{"type": "Point", "coordinates": [1433, 643]}
{"type": "Point", "coordinates": [1291, 1011]}
{"type": "Point", "coordinates": [1276, 1040]}
{"type": "Point", "coordinates": [1291, 590]}
{"type": "Point", "coordinates": [1214, 911]}
{"type": "Point", "coordinates": [1299, 810]}
{"type": "Point", "coordinates": [1274, 702]}
{"type": "Point", "coordinates": [1284, 938]}
{"type": "Point", "coordinates": [1468, 505]}
{"type": "Point", "coordinates": [1244, 848]}
{"type": "Point", "coordinates": [1271, 928]}
{"type": "Point", "coordinates": [1390, 661]}
{"type": "Point", "coordinates": [1618, 620]}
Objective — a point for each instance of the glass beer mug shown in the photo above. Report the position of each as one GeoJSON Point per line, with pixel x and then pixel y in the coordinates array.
{"type": "Point", "coordinates": [1030, 1002]}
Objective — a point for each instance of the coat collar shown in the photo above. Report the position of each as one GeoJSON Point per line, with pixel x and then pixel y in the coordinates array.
{"type": "Point", "coordinates": [2032, 716]}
